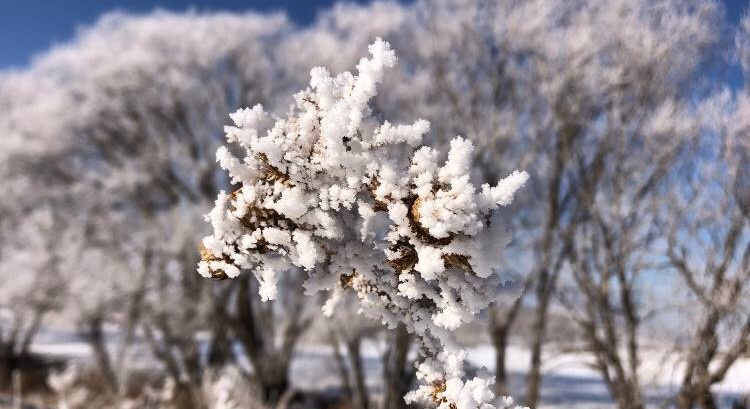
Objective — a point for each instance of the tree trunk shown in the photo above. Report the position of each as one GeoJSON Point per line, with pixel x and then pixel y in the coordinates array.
{"type": "Point", "coordinates": [32, 331]}
{"type": "Point", "coordinates": [274, 384]}
{"type": "Point", "coordinates": [95, 337]}
{"type": "Point", "coordinates": [500, 335]}
{"type": "Point", "coordinates": [361, 396]}
{"type": "Point", "coordinates": [500, 326]}
{"type": "Point", "coordinates": [706, 399]}
{"type": "Point", "coordinates": [685, 397]}
{"type": "Point", "coordinates": [545, 279]}
{"type": "Point", "coordinates": [271, 367]}
{"type": "Point", "coordinates": [187, 396]}
{"type": "Point", "coordinates": [346, 383]}
{"type": "Point", "coordinates": [636, 401]}
{"type": "Point", "coordinates": [398, 372]}
{"type": "Point", "coordinates": [6, 364]}
{"type": "Point", "coordinates": [690, 396]}
{"type": "Point", "coordinates": [220, 350]}
{"type": "Point", "coordinates": [627, 396]}
{"type": "Point", "coordinates": [538, 333]}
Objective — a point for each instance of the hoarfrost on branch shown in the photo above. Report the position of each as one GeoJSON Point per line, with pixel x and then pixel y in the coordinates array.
{"type": "Point", "coordinates": [361, 207]}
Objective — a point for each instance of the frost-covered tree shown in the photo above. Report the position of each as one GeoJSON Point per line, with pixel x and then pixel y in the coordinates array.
{"type": "Point", "coordinates": [361, 207]}
{"type": "Point", "coordinates": [147, 125]}
{"type": "Point", "coordinates": [583, 100]}
{"type": "Point", "coordinates": [544, 85]}
{"type": "Point", "coordinates": [707, 224]}
{"type": "Point", "coordinates": [134, 108]}
{"type": "Point", "coordinates": [31, 283]}
{"type": "Point", "coordinates": [31, 226]}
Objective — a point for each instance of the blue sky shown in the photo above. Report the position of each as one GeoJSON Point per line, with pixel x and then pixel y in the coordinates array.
{"type": "Point", "coordinates": [28, 27]}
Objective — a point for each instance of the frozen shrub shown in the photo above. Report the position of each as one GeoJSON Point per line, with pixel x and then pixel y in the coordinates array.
{"type": "Point", "coordinates": [361, 207]}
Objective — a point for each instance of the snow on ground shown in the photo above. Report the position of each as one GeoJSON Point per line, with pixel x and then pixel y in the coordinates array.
{"type": "Point", "coordinates": [568, 380]}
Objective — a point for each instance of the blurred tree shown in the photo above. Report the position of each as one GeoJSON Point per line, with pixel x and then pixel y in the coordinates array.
{"type": "Point", "coordinates": [108, 163]}
{"type": "Point", "coordinates": [708, 224]}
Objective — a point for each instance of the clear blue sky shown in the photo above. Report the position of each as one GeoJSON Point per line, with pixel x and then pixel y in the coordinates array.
{"type": "Point", "coordinates": [28, 27]}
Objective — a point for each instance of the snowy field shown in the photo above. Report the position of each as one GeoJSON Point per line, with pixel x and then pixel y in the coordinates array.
{"type": "Point", "coordinates": [568, 380]}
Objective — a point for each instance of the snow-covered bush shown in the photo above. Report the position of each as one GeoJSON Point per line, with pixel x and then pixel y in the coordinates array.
{"type": "Point", "coordinates": [361, 206]}
{"type": "Point", "coordinates": [222, 392]}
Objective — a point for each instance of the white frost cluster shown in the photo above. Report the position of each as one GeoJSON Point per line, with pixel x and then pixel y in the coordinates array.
{"type": "Point", "coordinates": [361, 207]}
{"type": "Point", "coordinates": [442, 384]}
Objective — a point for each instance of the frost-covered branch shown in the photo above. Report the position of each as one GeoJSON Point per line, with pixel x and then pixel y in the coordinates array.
{"type": "Point", "coordinates": [361, 207]}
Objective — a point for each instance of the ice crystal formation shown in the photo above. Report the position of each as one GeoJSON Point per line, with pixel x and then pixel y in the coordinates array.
{"type": "Point", "coordinates": [361, 206]}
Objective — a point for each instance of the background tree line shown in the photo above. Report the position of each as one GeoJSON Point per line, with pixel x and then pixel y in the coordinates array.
{"type": "Point", "coordinates": [638, 150]}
